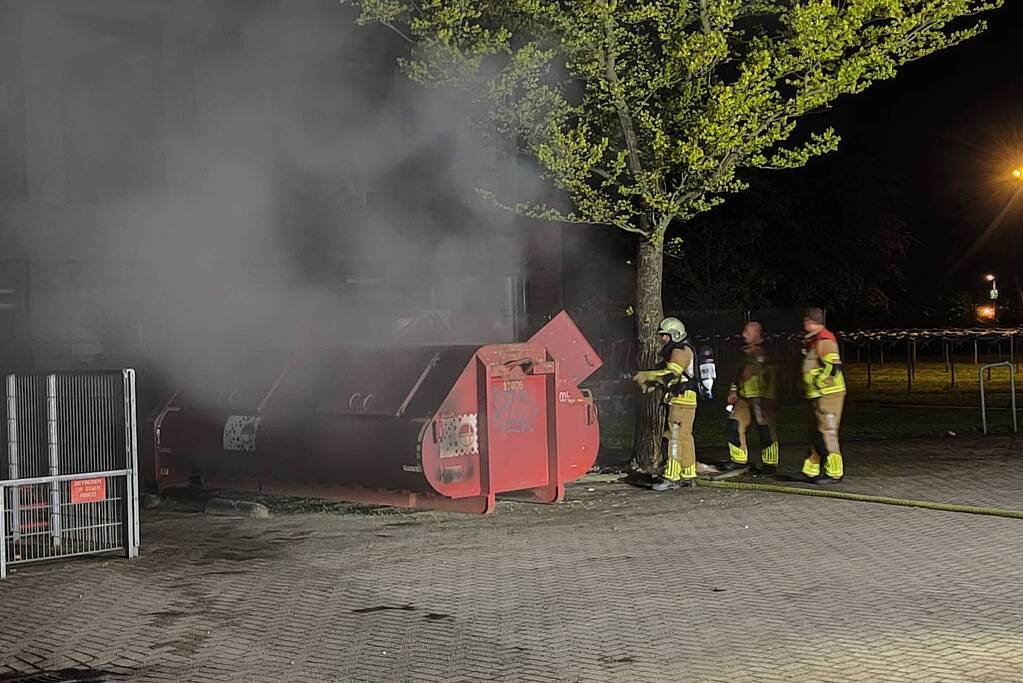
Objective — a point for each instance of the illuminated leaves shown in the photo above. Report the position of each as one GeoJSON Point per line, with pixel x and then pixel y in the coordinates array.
{"type": "Point", "coordinates": [647, 111]}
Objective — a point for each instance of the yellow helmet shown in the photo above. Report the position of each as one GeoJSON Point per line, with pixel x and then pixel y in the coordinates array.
{"type": "Point", "coordinates": [674, 327]}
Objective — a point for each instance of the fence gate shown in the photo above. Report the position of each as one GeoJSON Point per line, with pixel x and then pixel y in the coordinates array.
{"type": "Point", "coordinates": [68, 466]}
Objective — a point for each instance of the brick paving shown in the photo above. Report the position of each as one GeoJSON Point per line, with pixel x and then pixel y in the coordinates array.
{"type": "Point", "coordinates": [616, 584]}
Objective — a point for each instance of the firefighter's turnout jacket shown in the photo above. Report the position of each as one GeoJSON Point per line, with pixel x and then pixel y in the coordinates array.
{"type": "Point", "coordinates": [825, 388]}
{"type": "Point", "coordinates": [755, 391]}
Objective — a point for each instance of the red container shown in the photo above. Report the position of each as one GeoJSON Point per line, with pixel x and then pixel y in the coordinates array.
{"type": "Point", "coordinates": [440, 427]}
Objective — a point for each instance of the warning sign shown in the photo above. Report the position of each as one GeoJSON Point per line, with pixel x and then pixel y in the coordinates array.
{"type": "Point", "coordinates": [88, 490]}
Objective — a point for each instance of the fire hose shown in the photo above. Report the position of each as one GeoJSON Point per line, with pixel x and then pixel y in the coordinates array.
{"type": "Point", "coordinates": [863, 498]}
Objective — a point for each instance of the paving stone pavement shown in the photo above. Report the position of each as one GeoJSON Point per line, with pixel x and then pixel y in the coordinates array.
{"type": "Point", "coordinates": [616, 584]}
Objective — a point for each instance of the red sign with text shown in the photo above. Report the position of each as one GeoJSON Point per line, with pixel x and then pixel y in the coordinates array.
{"type": "Point", "coordinates": [88, 490]}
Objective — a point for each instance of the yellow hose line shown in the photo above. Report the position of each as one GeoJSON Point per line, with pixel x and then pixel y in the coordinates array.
{"type": "Point", "coordinates": [948, 507]}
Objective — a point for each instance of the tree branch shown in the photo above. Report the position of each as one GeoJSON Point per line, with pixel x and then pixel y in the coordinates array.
{"type": "Point", "coordinates": [552, 216]}
{"type": "Point", "coordinates": [704, 21]}
{"type": "Point", "coordinates": [397, 30]}
{"type": "Point", "coordinates": [621, 107]}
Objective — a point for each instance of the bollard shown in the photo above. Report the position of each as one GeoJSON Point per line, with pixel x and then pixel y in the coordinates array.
{"type": "Point", "coordinates": [909, 369]}
{"type": "Point", "coordinates": [983, 403]}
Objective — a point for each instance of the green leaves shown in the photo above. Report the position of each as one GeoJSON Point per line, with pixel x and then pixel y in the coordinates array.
{"type": "Point", "coordinates": [647, 112]}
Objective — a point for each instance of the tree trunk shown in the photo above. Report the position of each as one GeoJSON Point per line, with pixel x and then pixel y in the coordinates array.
{"type": "Point", "coordinates": [649, 313]}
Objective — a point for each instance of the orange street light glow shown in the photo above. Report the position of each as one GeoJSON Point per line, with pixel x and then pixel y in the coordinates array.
{"type": "Point", "coordinates": [986, 312]}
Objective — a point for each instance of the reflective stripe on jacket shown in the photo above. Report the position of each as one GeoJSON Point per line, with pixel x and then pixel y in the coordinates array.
{"type": "Point", "coordinates": [822, 366]}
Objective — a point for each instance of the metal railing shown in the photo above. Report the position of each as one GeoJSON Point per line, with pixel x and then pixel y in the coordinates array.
{"type": "Point", "coordinates": [69, 475]}
{"type": "Point", "coordinates": [1012, 385]}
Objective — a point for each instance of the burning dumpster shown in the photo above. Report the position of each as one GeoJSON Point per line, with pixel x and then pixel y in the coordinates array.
{"type": "Point", "coordinates": [439, 427]}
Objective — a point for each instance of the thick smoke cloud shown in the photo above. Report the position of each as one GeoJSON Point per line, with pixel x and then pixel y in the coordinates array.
{"type": "Point", "coordinates": [295, 191]}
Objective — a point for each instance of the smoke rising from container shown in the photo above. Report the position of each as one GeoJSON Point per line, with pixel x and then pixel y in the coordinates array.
{"type": "Point", "coordinates": [249, 175]}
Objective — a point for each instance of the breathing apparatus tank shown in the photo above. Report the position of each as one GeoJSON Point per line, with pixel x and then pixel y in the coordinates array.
{"type": "Point", "coordinates": [707, 369]}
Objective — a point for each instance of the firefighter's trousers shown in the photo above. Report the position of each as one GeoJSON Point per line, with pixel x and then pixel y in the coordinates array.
{"type": "Point", "coordinates": [824, 446]}
{"type": "Point", "coordinates": [681, 460]}
{"type": "Point", "coordinates": [761, 412]}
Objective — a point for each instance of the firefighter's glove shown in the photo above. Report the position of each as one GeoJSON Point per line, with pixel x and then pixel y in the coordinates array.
{"type": "Point", "coordinates": [647, 381]}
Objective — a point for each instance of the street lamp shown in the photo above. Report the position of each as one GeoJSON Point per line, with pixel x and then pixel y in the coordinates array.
{"type": "Point", "coordinates": [993, 294]}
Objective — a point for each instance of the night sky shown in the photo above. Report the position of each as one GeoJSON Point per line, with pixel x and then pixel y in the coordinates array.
{"type": "Point", "coordinates": [944, 136]}
{"type": "Point", "coordinates": [948, 131]}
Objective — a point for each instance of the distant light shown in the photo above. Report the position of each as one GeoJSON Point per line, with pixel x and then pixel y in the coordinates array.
{"type": "Point", "coordinates": [1018, 172]}
{"type": "Point", "coordinates": [989, 277]}
{"type": "Point", "coordinates": [985, 312]}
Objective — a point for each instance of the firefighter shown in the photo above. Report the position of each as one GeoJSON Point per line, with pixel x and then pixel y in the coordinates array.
{"type": "Point", "coordinates": [752, 400]}
{"type": "Point", "coordinates": [825, 389]}
{"type": "Point", "coordinates": [677, 377]}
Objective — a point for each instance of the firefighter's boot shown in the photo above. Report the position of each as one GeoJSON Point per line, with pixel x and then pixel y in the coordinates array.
{"type": "Point", "coordinates": [672, 484]}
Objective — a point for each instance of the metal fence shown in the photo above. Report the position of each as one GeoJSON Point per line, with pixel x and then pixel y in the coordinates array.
{"type": "Point", "coordinates": [69, 467]}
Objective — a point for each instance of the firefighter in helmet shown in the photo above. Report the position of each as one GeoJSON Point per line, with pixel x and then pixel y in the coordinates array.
{"type": "Point", "coordinates": [752, 399]}
{"type": "Point", "coordinates": [825, 388]}
{"type": "Point", "coordinates": [676, 376]}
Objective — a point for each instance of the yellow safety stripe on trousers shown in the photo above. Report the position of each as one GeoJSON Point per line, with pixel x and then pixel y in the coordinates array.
{"type": "Point", "coordinates": [688, 398]}
{"type": "Point", "coordinates": [833, 466]}
{"type": "Point", "coordinates": [689, 472]}
{"type": "Point", "coordinates": [811, 469]}
{"type": "Point", "coordinates": [672, 470]}
{"type": "Point", "coordinates": [769, 456]}
{"type": "Point", "coordinates": [737, 454]}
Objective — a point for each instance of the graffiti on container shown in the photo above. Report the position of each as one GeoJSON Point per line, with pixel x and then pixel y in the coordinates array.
{"type": "Point", "coordinates": [513, 410]}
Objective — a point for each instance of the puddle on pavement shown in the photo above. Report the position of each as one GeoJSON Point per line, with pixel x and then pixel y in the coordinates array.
{"type": "Point", "coordinates": [435, 616]}
{"type": "Point", "coordinates": [384, 608]}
